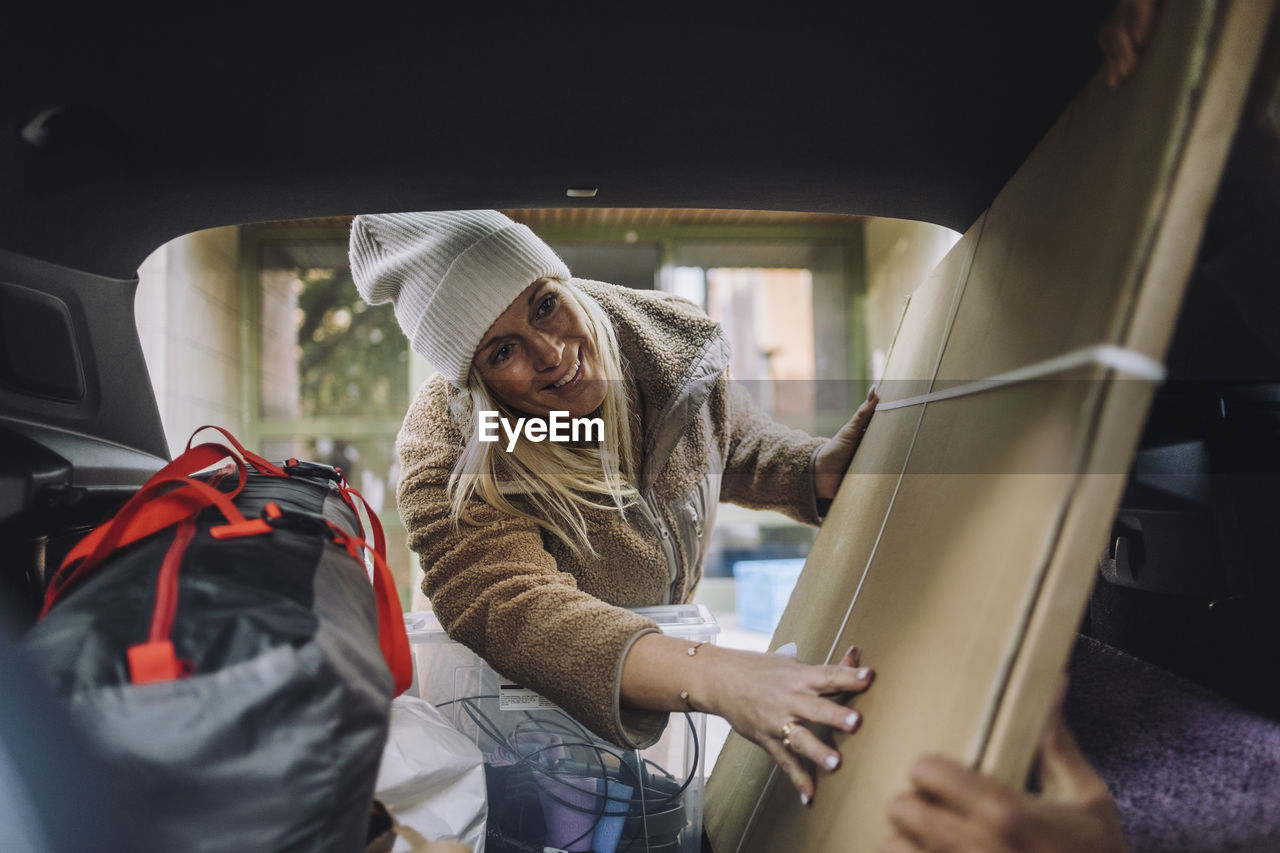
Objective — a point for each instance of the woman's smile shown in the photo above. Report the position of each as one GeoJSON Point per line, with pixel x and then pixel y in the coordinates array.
{"type": "Point", "coordinates": [571, 376]}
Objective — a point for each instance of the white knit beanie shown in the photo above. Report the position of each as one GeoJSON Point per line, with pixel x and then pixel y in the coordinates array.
{"type": "Point", "coordinates": [450, 275]}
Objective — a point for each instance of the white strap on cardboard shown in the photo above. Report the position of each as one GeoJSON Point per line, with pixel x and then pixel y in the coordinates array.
{"type": "Point", "coordinates": [1124, 360]}
{"type": "Point", "coordinates": [1121, 359]}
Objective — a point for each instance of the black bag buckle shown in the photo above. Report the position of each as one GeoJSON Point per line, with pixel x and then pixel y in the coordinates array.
{"type": "Point", "coordinates": [297, 468]}
{"type": "Point", "coordinates": [294, 519]}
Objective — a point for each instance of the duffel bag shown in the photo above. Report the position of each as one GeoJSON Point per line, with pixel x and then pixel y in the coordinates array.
{"type": "Point", "coordinates": [219, 640]}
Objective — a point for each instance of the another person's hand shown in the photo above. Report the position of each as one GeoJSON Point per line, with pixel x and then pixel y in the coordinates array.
{"type": "Point", "coordinates": [834, 457]}
{"type": "Point", "coordinates": [1124, 34]}
{"type": "Point", "coordinates": [954, 808]}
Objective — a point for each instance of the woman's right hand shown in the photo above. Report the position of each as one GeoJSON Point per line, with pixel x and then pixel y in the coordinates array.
{"type": "Point", "coordinates": [772, 700]}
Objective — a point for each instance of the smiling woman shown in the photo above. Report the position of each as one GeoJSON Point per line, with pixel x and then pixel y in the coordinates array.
{"type": "Point", "coordinates": [552, 348]}
{"type": "Point", "coordinates": [533, 558]}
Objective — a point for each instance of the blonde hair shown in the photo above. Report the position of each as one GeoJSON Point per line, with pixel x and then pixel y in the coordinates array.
{"type": "Point", "coordinates": [560, 482]}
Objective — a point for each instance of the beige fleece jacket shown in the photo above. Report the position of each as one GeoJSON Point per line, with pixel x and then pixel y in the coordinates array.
{"type": "Point", "coordinates": [522, 600]}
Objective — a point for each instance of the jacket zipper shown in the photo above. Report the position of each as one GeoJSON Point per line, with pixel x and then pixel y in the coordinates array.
{"type": "Point", "coordinates": [668, 546]}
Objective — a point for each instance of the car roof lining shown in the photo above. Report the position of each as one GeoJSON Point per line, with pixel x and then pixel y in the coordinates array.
{"type": "Point", "coordinates": [147, 128]}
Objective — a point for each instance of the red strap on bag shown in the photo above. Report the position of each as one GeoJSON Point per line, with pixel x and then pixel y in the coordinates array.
{"type": "Point", "coordinates": [154, 507]}
{"type": "Point", "coordinates": [375, 525]}
{"type": "Point", "coordinates": [156, 660]}
{"type": "Point", "coordinates": [262, 466]}
{"type": "Point", "coordinates": [153, 661]}
{"type": "Point", "coordinates": [391, 631]}
{"type": "Point", "coordinates": [392, 637]}
{"type": "Point", "coordinates": [193, 460]}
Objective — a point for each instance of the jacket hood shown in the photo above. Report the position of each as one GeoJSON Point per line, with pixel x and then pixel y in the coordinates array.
{"type": "Point", "coordinates": [665, 338]}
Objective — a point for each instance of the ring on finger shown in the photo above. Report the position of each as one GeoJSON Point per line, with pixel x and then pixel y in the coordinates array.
{"type": "Point", "coordinates": [786, 732]}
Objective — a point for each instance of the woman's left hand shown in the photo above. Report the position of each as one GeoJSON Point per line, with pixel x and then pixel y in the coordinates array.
{"type": "Point", "coordinates": [834, 457]}
{"type": "Point", "coordinates": [772, 699]}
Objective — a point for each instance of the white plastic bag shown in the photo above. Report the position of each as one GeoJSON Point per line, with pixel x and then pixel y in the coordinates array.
{"type": "Point", "coordinates": [432, 778]}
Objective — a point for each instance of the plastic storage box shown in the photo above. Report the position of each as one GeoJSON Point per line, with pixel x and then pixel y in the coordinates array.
{"type": "Point", "coordinates": [761, 591]}
{"type": "Point", "coordinates": [552, 783]}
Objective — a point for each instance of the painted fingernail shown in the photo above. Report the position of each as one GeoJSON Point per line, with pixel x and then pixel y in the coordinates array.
{"type": "Point", "coordinates": [852, 721]}
{"type": "Point", "coordinates": [832, 761]}
{"type": "Point", "coordinates": [854, 654]}
{"type": "Point", "coordinates": [805, 799]}
{"type": "Point", "coordinates": [866, 673]}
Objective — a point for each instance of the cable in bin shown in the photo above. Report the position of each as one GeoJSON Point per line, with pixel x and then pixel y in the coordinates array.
{"type": "Point", "coordinates": [553, 787]}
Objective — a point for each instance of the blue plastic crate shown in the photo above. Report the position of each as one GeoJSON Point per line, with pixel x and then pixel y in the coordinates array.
{"type": "Point", "coordinates": [761, 591]}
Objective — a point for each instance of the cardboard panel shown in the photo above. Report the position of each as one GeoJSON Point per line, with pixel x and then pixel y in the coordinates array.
{"type": "Point", "coordinates": [863, 507]}
{"type": "Point", "coordinates": [859, 510]}
{"type": "Point", "coordinates": [960, 552]}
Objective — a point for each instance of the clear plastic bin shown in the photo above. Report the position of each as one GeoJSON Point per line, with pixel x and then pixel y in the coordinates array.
{"type": "Point", "coordinates": [551, 782]}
